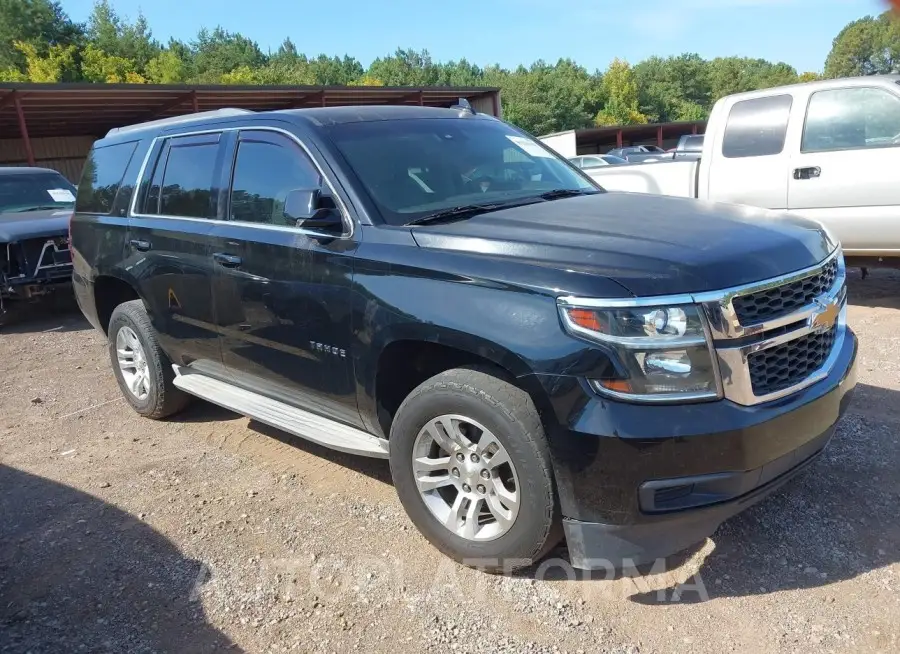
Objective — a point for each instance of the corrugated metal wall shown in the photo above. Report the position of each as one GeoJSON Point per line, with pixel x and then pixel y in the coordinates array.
{"type": "Point", "coordinates": [63, 153]}
{"type": "Point", "coordinates": [486, 105]}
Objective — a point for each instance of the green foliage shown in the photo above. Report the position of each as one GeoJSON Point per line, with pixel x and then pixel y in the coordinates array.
{"type": "Point", "coordinates": [40, 43]}
{"type": "Point", "coordinates": [40, 23]}
{"type": "Point", "coordinates": [868, 46]}
{"type": "Point", "coordinates": [621, 92]}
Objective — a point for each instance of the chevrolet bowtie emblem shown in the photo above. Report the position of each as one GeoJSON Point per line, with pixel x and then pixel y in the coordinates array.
{"type": "Point", "coordinates": [824, 320]}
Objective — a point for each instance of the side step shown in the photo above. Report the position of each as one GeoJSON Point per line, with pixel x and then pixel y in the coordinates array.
{"type": "Point", "coordinates": [282, 416]}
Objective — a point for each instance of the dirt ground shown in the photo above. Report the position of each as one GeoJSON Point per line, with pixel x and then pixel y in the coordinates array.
{"type": "Point", "coordinates": [210, 532]}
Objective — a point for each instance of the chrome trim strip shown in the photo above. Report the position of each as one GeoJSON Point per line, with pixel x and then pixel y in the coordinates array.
{"type": "Point", "coordinates": [625, 303]}
{"type": "Point", "coordinates": [345, 214]}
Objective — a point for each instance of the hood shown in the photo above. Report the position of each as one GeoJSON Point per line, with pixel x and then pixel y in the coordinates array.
{"type": "Point", "coordinates": [34, 224]}
{"type": "Point", "coordinates": [651, 245]}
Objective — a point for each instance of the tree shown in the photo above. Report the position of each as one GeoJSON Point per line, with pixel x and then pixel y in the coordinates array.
{"type": "Point", "coordinates": [99, 66]}
{"type": "Point", "coordinates": [405, 68]}
{"type": "Point", "coordinates": [219, 52]}
{"type": "Point", "coordinates": [40, 23]}
{"type": "Point", "coordinates": [166, 68]}
{"type": "Point", "coordinates": [57, 65]}
{"type": "Point", "coordinates": [621, 92]}
{"type": "Point", "coordinates": [118, 38]}
{"type": "Point", "coordinates": [868, 46]}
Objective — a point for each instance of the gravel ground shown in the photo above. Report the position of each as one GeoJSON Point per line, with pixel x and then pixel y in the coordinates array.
{"type": "Point", "coordinates": [210, 532]}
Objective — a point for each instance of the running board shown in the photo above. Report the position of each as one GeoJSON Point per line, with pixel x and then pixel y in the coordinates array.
{"type": "Point", "coordinates": [310, 426]}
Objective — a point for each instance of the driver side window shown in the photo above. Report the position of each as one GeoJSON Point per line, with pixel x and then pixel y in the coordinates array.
{"type": "Point", "coordinates": [266, 168]}
{"type": "Point", "coordinates": [850, 119]}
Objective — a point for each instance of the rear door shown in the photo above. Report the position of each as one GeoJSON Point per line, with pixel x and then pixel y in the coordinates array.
{"type": "Point", "coordinates": [846, 170]}
{"type": "Point", "coordinates": [169, 249]}
{"type": "Point", "coordinates": [283, 293]}
{"type": "Point", "coordinates": [750, 161]}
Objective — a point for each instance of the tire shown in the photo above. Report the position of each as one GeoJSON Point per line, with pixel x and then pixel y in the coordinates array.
{"type": "Point", "coordinates": [161, 398]}
{"type": "Point", "coordinates": [507, 413]}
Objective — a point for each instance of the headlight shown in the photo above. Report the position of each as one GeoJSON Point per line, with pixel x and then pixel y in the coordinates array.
{"type": "Point", "coordinates": [663, 351]}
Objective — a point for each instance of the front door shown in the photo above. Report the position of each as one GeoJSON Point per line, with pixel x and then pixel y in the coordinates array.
{"type": "Point", "coordinates": [847, 171]}
{"type": "Point", "coordinates": [169, 248]}
{"type": "Point", "coordinates": [283, 294]}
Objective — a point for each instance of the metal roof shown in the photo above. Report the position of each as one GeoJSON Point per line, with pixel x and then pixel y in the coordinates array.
{"type": "Point", "coordinates": [94, 109]}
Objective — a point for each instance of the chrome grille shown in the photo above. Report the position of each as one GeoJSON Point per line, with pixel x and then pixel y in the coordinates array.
{"type": "Point", "coordinates": [777, 368]}
{"type": "Point", "coordinates": [780, 301]}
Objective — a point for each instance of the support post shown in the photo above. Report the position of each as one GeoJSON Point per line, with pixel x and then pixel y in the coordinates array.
{"type": "Point", "coordinates": [659, 136]}
{"type": "Point", "coordinates": [694, 128]}
{"type": "Point", "coordinates": [421, 98]}
{"type": "Point", "coordinates": [23, 128]}
{"type": "Point", "coordinates": [495, 100]}
{"type": "Point", "coordinates": [194, 102]}
{"type": "Point", "coordinates": [618, 138]}
{"type": "Point", "coordinates": [323, 98]}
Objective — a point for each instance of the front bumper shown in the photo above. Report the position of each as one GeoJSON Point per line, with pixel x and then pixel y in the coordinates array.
{"type": "Point", "coordinates": [638, 482]}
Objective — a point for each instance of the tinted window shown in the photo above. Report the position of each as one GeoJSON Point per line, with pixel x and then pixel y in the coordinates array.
{"type": "Point", "coordinates": [264, 171]}
{"type": "Point", "coordinates": [610, 159]}
{"type": "Point", "coordinates": [101, 177]}
{"type": "Point", "coordinates": [412, 168]}
{"type": "Point", "coordinates": [757, 128]}
{"type": "Point", "coordinates": [188, 179]}
{"type": "Point", "coordinates": [692, 143]}
{"type": "Point", "coordinates": [842, 119]}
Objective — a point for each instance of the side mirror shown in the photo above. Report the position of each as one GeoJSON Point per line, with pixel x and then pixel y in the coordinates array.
{"type": "Point", "coordinates": [310, 210]}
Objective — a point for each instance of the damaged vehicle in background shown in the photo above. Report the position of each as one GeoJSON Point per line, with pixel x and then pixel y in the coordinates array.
{"type": "Point", "coordinates": [35, 207]}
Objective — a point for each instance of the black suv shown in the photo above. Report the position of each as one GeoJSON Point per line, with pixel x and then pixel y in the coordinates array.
{"type": "Point", "coordinates": [536, 357]}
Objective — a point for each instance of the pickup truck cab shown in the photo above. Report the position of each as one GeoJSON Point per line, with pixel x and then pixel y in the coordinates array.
{"type": "Point", "coordinates": [826, 150]}
{"type": "Point", "coordinates": [534, 356]}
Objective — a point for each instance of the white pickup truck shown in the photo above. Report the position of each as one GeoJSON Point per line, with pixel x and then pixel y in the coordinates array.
{"type": "Point", "coordinates": [825, 150]}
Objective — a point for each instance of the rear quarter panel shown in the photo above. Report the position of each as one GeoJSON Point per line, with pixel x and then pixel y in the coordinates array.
{"type": "Point", "coordinates": [675, 178]}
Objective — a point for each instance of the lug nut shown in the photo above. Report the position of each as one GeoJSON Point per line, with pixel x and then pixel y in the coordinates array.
{"type": "Point", "coordinates": [485, 474]}
{"type": "Point", "coordinates": [455, 472]}
{"type": "Point", "coordinates": [460, 457]}
{"type": "Point", "coordinates": [474, 458]}
{"type": "Point", "coordinates": [481, 489]}
{"type": "Point", "coordinates": [466, 488]}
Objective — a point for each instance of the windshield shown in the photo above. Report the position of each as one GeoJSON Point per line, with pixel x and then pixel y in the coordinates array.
{"type": "Point", "coordinates": [35, 191]}
{"type": "Point", "coordinates": [413, 168]}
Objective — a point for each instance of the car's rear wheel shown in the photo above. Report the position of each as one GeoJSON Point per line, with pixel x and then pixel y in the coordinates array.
{"type": "Point", "coordinates": [471, 465]}
{"type": "Point", "coordinates": [143, 370]}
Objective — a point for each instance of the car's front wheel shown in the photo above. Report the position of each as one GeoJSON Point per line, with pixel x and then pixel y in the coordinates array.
{"type": "Point", "coordinates": [471, 465]}
{"type": "Point", "coordinates": [142, 369]}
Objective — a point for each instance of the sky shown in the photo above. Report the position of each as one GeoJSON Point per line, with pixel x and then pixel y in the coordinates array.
{"type": "Point", "coordinates": [510, 32]}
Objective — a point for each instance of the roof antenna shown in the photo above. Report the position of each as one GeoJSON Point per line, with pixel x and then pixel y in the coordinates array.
{"type": "Point", "coordinates": [463, 105]}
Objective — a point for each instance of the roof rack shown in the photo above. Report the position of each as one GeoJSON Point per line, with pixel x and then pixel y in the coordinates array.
{"type": "Point", "coordinates": [177, 120]}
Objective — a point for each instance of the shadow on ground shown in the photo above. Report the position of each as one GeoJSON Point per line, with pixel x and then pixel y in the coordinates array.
{"type": "Point", "coordinates": [57, 313]}
{"type": "Point", "coordinates": [206, 412]}
{"type": "Point", "coordinates": [880, 288]}
{"type": "Point", "coordinates": [77, 574]}
{"type": "Point", "coordinates": [835, 521]}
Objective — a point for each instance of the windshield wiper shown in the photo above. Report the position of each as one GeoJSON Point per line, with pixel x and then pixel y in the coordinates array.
{"type": "Point", "coordinates": [558, 193]}
{"type": "Point", "coordinates": [41, 207]}
{"type": "Point", "coordinates": [456, 213]}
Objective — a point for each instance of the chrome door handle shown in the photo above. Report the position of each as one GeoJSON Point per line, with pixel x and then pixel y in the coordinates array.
{"type": "Point", "coordinates": [807, 173]}
{"type": "Point", "coordinates": [227, 260]}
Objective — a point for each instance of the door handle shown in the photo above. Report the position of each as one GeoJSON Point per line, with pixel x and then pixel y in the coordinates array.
{"type": "Point", "coordinates": [227, 260]}
{"type": "Point", "coordinates": [141, 246]}
{"type": "Point", "coordinates": [807, 173]}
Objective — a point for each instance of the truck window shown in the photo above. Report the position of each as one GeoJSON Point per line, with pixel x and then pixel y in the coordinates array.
{"type": "Point", "coordinates": [853, 118]}
{"type": "Point", "coordinates": [101, 177]}
{"type": "Point", "coordinates": [266, 168]}
{"type": "Point", "coordinates": [756, 128]}
{"type": "Point", "coordinates": [188, 178]}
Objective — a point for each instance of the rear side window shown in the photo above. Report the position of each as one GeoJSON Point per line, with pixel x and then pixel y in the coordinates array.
{"type": "Point", "coordinates": [756, 128]}
{"type": "Point", "coordinates": [101, 177]}
{"type": "Point", "coordinates": [187, 180]}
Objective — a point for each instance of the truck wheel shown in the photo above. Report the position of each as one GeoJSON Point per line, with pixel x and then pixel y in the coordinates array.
{"type": "Point", "coordinates": [142, 369]}
{"type": "Point", "coordinates": [471, 465]}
